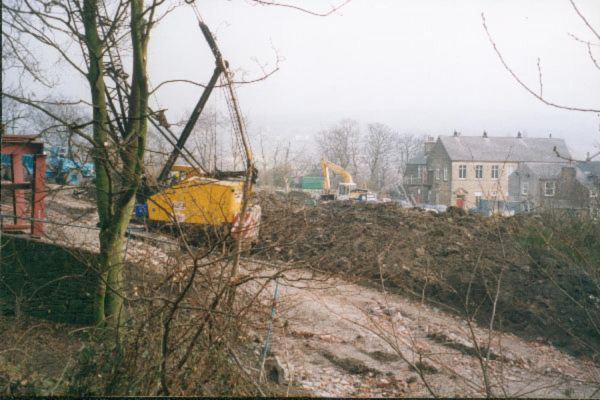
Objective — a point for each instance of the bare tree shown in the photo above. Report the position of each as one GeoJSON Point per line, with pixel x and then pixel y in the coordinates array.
{"type": "Point", "coordinates": [89, 36]}
{"type": "Point", "coordinates": [341, 144]}
{"type": "Point", "coordinates": [406, 147]}
{"type": "Point", "coordinates": [379, 154]}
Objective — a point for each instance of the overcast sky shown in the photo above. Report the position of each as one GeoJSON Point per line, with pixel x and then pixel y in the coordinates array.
{"type": "Point", "coordinates": [419, 66]}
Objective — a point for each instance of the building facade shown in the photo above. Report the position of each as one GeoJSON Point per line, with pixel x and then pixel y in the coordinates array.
{"type": "Point", "coordinates": [463, 170]}
{"type": "Point", "coordinates": [556, 186]}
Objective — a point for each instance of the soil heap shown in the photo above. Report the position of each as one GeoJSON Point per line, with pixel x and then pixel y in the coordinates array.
{"type": "Point", "coordinates": [452, 260]}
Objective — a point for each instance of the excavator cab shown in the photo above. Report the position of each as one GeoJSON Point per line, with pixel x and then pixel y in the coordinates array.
{"type": "Point", "coordinates": [344, 190]}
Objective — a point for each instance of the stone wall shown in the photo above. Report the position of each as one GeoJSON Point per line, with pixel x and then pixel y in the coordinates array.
{"type": "Point", "coordinates": [43, 280]}
{"type": "Point", "coordinates": [484, 187]}
{"type": "Point", "coordinates": [441, 185]}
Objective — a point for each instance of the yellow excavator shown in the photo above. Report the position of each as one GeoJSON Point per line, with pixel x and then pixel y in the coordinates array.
{"type": "Point", "coordinates": [346, 190]}
{"type": "Point", "coordinates": [192, 196]}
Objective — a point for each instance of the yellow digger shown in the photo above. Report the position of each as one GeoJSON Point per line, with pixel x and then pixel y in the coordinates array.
{"type": "Point", "coordinates": [198, 198]}
{"type": "Point", "coordinates": [347, 189]}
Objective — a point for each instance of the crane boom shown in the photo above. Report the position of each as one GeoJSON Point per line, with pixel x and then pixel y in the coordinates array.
{"type": "Point", "coordinates": [221, 68]}
{"type": "Point", "coordinates": [187, 130]}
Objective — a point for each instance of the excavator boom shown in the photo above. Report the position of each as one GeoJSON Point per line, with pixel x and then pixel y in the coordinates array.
{"type": "Point", "coordinates": [344, 188]}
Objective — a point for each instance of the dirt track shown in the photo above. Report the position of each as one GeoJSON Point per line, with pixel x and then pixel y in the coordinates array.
{"type": "Point", "coordinates": [446, 259]}
{"type": "Point", "coordinates": [344, 340]}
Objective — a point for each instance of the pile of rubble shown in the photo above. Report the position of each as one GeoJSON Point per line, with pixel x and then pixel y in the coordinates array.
{"type": "Point", "coordinates": [451, 260]}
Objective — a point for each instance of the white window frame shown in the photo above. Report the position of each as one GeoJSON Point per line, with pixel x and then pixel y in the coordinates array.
{"type": "Point", "coordinates": [495, 171]}
{"type": "Point", "coordinates": [546, 187]}
{"type": "Point", "coordinates": [437, 174]}
{"type": "Point", "coordinates": [525, 188]}
{"type": "Point", "coordinates": [479, 171]}
{"type": "Point", "coordinates": [446, 174]}
{"type": "Point", "coordinates": [462, 171]}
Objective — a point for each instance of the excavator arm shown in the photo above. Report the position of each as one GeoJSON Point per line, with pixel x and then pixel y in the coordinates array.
{"type": "Point", "coordinates": [326, 166]}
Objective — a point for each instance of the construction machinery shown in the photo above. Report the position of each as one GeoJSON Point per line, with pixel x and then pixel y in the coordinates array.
{"type": "Point", "coordinates": [196, 197]}
{"type": "Point", "coordinates": [347, 189]}
{"type": "Point", "coordinates": [61, 167]}
{"type": "Point", "coordinates": [65, 169]}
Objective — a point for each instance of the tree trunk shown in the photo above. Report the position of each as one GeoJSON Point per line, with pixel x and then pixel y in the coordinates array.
{"type": "Point", "coordinates": [114, 210]}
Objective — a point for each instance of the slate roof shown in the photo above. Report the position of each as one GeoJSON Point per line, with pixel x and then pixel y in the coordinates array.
{"type": "Point", "coordinates": [591, 167]}
{"type": "Point", "coordinates": [547, 170]}
{"type": "Point", "coordinates": [554, 170]}
{"type": "Point", "coordinates": [419, 159]}
{"type": "Point", "coordinates": [589, 173]}
{"type": "Point", "coordinates": [492, 148]}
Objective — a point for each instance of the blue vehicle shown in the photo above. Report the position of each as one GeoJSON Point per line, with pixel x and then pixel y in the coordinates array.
{"type": "Point", "coordinates": [59, 167]}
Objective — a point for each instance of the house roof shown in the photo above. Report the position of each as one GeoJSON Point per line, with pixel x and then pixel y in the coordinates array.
{"type": "Point", "coordinates": [554, 171]}
{"type": "Point", "coordinates": [545, 170]}
{"type": "Point", "coordinates": [592, 167]}
{"type": "Point", "coordinates": [419, 159]}
{"type": "Point", "coordinates": [491, 148]}
{"type": "Point", "coordinates": [589, 173]}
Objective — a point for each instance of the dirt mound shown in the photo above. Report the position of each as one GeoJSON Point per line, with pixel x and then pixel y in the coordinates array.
{"type": "Point", "coordinates": [453, 260]}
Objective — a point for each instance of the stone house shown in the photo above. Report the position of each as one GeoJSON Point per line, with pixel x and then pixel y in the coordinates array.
{"type": "Point", "coordinates": [416, 177]}
{"type": "Point", "coordinates": [548, 186]}
{"type": "Point", "coordinates": [463, 170]}
{"type": "Point", "coordinates": [556, 186]}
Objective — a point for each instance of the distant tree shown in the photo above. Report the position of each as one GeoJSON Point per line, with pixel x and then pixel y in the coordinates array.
{"type": "Point", "coordinates": [406, 147]}
{"type": "Point", "coordinates": [341, 144]}
{"type": "Point", "coordinates": [379, 154]}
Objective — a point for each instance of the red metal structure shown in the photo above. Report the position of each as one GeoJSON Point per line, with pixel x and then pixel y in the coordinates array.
{"type": "Point", "coordinates": [16, 146]}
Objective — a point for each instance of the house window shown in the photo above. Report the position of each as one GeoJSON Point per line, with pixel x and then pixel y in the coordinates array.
{"type": "Point", "coordinates": [511, 169]}
{"type": "Point", "coordinates": [549, 188]}
{"type": "Point", "coordinates": [525, 188]}
{"type": "Point", "coordinates": [437, 174]}
{"type": "Point", "coordinates": [479, 171]}
{"type": "Point", "coordinates": [495, 172]}
{"type": "Point", "coordinates": [445, 173]}
{"type": "Point", "coordinates": [593, 193]}
{"type": "Point", "coordinates": [462, 171]}
{"type": "Point", "coordinates": [494, 194]}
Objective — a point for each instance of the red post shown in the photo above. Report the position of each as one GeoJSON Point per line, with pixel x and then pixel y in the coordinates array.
{"type": "Point", "coordinates": [18, 194]}
{"type": "Point", "coordinates": [38, 195]}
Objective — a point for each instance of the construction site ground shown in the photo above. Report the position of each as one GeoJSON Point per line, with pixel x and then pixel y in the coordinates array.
{"type": "Point", "coordinates": [374, 306]}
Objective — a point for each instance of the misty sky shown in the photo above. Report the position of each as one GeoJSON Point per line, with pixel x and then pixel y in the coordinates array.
{"type": "Point", "coordinates": [419, 66]}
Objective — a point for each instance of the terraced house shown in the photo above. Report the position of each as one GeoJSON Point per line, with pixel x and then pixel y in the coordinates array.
{"type": "Point", "coordinates": [463, 170]}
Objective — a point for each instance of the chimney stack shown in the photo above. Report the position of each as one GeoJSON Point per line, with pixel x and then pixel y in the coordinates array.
{"type": "Point", "coordinates": [429, 143]}
{"type": "Point", "coordinates": [484, 134]}
{"type": "Point", "coordinates": [568, 172]}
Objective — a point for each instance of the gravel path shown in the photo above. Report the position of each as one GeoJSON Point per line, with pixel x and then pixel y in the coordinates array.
{"type": "Point", "coordinates": [340, 339]}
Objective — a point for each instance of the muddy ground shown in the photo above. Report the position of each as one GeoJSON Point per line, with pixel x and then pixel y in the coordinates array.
{"type": "Point", "coordinates": [346, 335]}
{"type": "Point", "coordinates": [452, 260]}
{"type": "Point", "coordinates": [339, 339]}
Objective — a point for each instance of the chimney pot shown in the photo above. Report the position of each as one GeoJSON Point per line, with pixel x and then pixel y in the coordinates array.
{"type": "Point", "coordinates": [519, 135]}
{"type": "Point", "coordinates": [484, 134]}
{"type": "Point", "coordinates": [455, 133]}
{"type": "Point", "coordinates": [550, 135]}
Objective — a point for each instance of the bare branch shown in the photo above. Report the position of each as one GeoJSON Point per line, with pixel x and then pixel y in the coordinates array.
{"type": "Point", "coordinates": [527, 88]}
